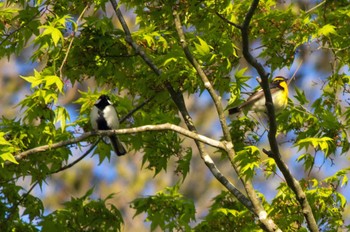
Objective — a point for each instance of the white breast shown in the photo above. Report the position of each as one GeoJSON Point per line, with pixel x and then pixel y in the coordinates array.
{"type": "Point", "coordinates": [111, 117]}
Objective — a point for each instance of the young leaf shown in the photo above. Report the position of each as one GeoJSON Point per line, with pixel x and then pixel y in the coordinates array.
{"type": "Point", "coordinates": [202, 48]}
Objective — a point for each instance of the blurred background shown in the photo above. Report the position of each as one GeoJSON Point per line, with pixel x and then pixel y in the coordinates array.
{"type": "Point", "coordinates": [125, 176]}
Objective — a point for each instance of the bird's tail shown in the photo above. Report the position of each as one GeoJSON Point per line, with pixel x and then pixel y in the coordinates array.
{"type": "Point", "coordinates": [117, 145]}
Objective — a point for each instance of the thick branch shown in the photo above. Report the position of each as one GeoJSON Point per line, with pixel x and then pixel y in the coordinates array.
{"type": "Point", "coordinates": [130, 41]}
{"type": "Point", "coordinates": [275, 154]}
{"type": "Point", "coordinates": [160, 127]}
{"type": "Point", "coordinates": [245, 41]}
{"type": "Point", "coordinates": [258, 209]}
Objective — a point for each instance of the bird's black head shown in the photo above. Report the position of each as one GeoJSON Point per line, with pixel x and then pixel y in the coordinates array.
{"type": "Point", "coordinates": [102, 102]}
{"type": "Point", "coordinates": [279, 82]}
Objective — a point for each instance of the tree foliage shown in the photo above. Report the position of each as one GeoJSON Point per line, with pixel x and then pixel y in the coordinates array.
{"type": "Point", "coordinates": [164, 63]}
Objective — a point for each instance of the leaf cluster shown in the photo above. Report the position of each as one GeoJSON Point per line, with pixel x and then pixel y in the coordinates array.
{"type": "Point", "coordinates": [84, 214]}
{"type": "Point", "coordinates": [168, 210]}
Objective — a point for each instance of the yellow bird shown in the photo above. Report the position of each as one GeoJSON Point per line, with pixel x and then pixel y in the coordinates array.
{"type": "Point", "coordinates": [256, 101]}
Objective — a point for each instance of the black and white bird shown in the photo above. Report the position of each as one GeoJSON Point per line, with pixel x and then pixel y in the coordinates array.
{"type": "Point", "coordinates": [104, 117]}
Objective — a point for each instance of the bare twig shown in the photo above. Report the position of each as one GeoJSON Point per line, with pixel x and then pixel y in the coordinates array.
{"type": "Point", "coordinates": [295, 72]}
{"type": "Point", "coordinates": [62, 168]}
{"type": "Point", "coordinates": [315, 7]}
{"type": "Point", "coordinates": [274, 153]}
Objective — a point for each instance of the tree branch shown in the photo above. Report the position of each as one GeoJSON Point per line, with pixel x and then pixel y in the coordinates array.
{"type": "Point", "coordinates": [245, 41]}
{"type": "Point", "coordinates": [160, 127]}
{"type": "Point", "coordinates": [216, 99]}
{"type": "Point", "coordinates": [136, 109]}
{"type": "Point", "coordinates": [228, 21]}
{"type": "Point", "coordinates": [267, 223]}
{"type": "Point", "coordinates": [130, 41]}
{"type": "Point", "coordinates": [77, 160]}
{"type": "Point", "coordinates": [274, 153]}
{"type": "Point", "coordinates": [178, 99]}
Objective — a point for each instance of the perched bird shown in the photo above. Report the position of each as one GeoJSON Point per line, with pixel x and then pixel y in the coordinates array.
{"type": "Point", "coordinates": [256, 101]}
{"type": "Point", "coordinates": [104, 117]}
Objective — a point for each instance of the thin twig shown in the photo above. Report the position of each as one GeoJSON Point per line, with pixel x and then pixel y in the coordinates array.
{"type": "Point", "coordinates": [228, 21]}
{"type": "Point", "coordinates": [136, 109]}
{"type": "Point", "coordinates": [77, 160]}
{"type": "Point", "coordinates": [71, 41]}
{"type": "Point", "coordinates": [66, 166]}
{"type": "Point", "coordinates": [315, 7]}
{"type": "Point", "coordinates": [295, 72]}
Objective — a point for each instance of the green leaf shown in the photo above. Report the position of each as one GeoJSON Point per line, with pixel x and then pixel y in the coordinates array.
{"type": "Point", "coordinates": [270, 167]}
{"type": "Point", "coordinates": [248, 160]}
{"type": "Point", "coordinates": [327, 30]}
{"type": "Point", "coordinates": [168, 209]}
{"type": "Point", "coordinates": [6, 150]}
{"type": "Point", "coordinates": [184, 164]}
{"type": "Point", "coordinates": [34, 80]}
{"type": "Point", "coordinates": [317, 143]}
{"type": "Point", "coordinates": [171, 59]}
{"type": "Point", "coordinates": [7, 156]}
{"type": "Point", "coordinates": [55, 33]}
{"type": "Point", "coordinates": [308, 160]}
{"type": "Point", "coordinates": [56, 36]}
{"type": "Point", "coordinates": [300, 96]}
{"type": "Point", "coordinates": [202, 48]}
{"type": "Point", "coordinates": [342, 199]}
{"type": "Point", "coordinates": [344, 181]}
{"type": "Point", "coordinates": [61, 115]}
{"type": "Point", "coordinates": [236, 86]}
{"type": "Point", "coordinates": [83, 211]}
{"type": "Point", "coordinates": [53, 79]}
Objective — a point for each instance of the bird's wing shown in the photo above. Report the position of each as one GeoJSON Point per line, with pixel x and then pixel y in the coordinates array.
{"type": "Point", "coordinates": [257, 95]}
{"type": "Point", "coordinates": [93, 117]}
{"type": "Point", "coordinates": [252, 98]}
